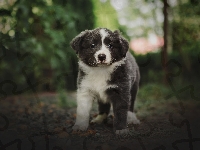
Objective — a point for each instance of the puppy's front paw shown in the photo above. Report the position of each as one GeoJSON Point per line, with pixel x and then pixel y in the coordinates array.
{"type": "Point", "coordinates": [123, 131]}
{"type": "Point", "coordinates": [80, 127]}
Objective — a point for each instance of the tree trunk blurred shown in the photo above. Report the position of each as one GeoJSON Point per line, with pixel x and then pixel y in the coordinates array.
{"type": "Point", "coordinates": [164, 49]}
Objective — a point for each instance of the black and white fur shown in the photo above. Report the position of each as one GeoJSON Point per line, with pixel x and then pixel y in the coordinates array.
{"type": "Point", "coordinates": [109, 74]}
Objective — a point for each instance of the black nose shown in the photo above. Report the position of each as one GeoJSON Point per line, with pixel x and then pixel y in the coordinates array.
{"type": "Point", "coordinates": [101, 57]}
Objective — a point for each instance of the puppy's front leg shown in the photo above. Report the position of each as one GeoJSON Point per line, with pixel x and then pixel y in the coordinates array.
{"type": "Point", "coordinates": [120, 108]}
{"type": "Point", "coordinates": [84, 102]}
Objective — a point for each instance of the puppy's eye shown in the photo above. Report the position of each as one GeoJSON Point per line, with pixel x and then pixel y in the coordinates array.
{"type": "Point", "coordinates": [92, 45]}
{"type": "Point", "coordinates": [110, 45]}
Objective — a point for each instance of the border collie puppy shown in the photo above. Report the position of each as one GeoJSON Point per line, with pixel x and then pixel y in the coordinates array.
{"type": "Point", "coordinates": [109, 74]}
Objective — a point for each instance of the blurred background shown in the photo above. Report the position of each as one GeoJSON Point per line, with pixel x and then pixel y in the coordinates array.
{"type": "Point", "coordinates": [35, 55]}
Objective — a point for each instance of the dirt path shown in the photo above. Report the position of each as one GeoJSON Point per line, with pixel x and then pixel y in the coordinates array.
{"type": "Point", "coordinates": [34, 123]}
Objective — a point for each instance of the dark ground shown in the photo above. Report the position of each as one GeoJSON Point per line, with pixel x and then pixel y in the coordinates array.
{"type": "Point", "coordinates": [38, 123]}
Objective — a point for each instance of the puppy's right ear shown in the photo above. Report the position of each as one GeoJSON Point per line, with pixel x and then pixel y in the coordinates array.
{"type": "Point", "coordinates": [76, 42]}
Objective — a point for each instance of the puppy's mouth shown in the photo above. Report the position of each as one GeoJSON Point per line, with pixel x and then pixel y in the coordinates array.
{"type": "Point", "coordinates": [102, 64]}
{"type": "Point", "coordinates": [99, 63]}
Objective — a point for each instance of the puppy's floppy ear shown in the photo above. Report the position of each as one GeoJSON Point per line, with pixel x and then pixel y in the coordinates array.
{"type": "Point", "coordinates": [124, 43]}
{"type": "Point", "coordinates": [76, 42]}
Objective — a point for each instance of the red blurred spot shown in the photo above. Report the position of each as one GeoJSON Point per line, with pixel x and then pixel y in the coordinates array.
{"type": "Point", "coordinates": [143, 45]}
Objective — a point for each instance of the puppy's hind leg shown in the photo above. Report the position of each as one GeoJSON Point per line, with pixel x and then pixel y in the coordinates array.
{"type": "Point", "coordinates": [131, 117]}
{"type": "Point", "coordinates": [134, 90]}
{"type": "Point", "coordinates": [104, 110]}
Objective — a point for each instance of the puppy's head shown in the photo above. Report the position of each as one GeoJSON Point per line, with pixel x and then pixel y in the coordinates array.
{"type": "Point", "coordinates": [100, 47]}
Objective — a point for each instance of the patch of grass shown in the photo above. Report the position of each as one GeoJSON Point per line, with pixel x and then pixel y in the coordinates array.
{"type": "Point", "coordinates": [151, 99]}
{"type": "Point", "coordinates": [152, 93]}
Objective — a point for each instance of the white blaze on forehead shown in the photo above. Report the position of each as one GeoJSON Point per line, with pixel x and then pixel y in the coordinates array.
{"type": "Point", "coordinates": [103, 49]}
{"type": "Point", "coordinates": [103, 34]}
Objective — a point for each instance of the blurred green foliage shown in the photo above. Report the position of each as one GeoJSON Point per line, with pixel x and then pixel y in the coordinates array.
{"type": "Point", "coordinates": [185, 56]}
{"type": "Point", "coordinates": [186, 35]}
{"type": "Point", "coordinates": [34, 43]}
{"type": "Point", "coordinates": [35, 50]}
{"type": "Point", "coordinates": [105, 15]}
{"type": "Point", "coordinates": [152, 72]}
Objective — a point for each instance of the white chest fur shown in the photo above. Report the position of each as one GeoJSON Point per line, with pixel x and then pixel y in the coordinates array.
{"type": "Point", "coordinates": [96, 79]}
